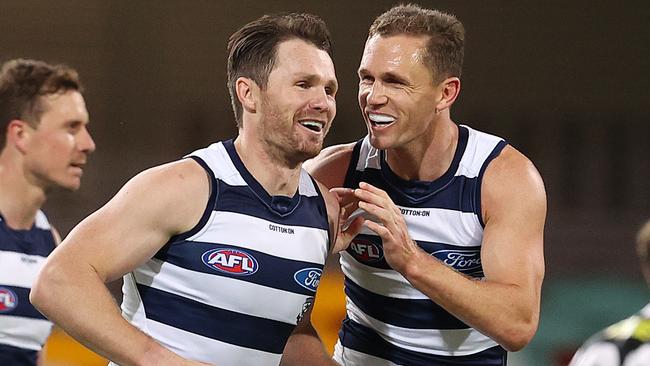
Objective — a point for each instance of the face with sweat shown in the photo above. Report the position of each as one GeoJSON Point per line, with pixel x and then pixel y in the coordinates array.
{"type": "Point", "coordinates": [397, 93]}
{"type": "Point", "coordinates": [298, 106]}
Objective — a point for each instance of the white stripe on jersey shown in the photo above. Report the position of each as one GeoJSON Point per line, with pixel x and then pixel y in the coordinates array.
{"type": "Point", "coordinates": [217, 155]}
{"type": "Point", "coordinates": [348, 356]}
{"type": "Point", "coordinates": [479, 145]}
{"type": "Point", "coordinates": [212, 290]}
{"type": "Point", "coordinates": [196, 347]}
{"type": "Point", "coordinates": [41, 221]}
{"type": "Point", "coordinates": [19, 269]}
{"type": "Point", "coordinates": [386, 282]}
{"type": "Point", "coordinates": [419, 227]}
{"type": "Point", "coordinates": [237, 229]}
{"type": "Point", "coordinates": [444, 342]}
{"type": "Point", "coordinates": [26, 333]}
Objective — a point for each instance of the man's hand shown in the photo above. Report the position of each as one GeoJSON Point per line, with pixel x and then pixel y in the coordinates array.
{"type": "Point", "coordinates": [399, 249]}
{"type": "Point", "coordinates": [348, 203]}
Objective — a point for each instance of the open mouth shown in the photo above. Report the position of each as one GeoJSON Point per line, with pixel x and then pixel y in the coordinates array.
{"type": "Point", "coordinates": [380, 119]}
{"type": "Point", "coordinates": [315, 126]}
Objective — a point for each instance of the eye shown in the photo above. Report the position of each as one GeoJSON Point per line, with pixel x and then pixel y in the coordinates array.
{"type": "Point", "coordinates": [393, 81]}
{"type": "Point", "coordinates": [366, 79]}
{"type": "Point", "coordinates": [74, 126]}
{"type": "Point", "coordinates": [303, 84]}
{"type": "Point", "coordinates": [330, 91]}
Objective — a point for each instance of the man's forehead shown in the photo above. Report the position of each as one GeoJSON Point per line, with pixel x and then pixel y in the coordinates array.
{"type": "Point", "coordinates": [69, 102]}
{"type": "Point", "coordinates": [299, 57]}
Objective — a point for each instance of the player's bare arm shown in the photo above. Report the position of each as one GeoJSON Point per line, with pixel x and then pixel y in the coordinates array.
{"type": "Point", "coordinates": [505, 305]}
{"type": "Point", "coordinates": [128, 230]}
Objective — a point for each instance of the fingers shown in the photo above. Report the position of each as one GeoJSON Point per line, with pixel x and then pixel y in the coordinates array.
{"type": "Point", "coordinates": [369, 193]}
{"type": "Point", "coordinates": [343, 195]}
{"type": "Point", "coordinates": [346, 236]}
{"type": "Point", "coordinates": [380, 230]}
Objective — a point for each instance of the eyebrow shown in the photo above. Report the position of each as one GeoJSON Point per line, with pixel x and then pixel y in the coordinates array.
{"type": "Point", "coordinates": [332, 83]}
{"type": "Point", "coordinates": [384, 75]}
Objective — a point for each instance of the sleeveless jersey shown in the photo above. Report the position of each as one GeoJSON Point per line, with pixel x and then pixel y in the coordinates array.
{"type": "Point", "coordinates": [231, 290]}
{"type": "Point", "coordinates": [626, 343]}
{"type": "Point", "coordinates": [389, 322]}
{"type": "Point", "coordinates": [23, 330]}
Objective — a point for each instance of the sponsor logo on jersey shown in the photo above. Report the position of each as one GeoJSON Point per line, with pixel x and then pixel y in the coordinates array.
{"type": "Point", "coordinates": [8, 300]}
{"type": "Point", "coordinates": [232, 261]}
{"type": "Point", "coordinates": [305, 306]}
{"type": "Point", "coordinates": [465, 261]}
{"type": "Point", "coordinates": [281, 229]}
{"type": "Point", "coordinates": [308, 278]}
{"type": "Point", "coordinates": [365, 250]}
{"type": "Point", "coordinates": [412, 212]}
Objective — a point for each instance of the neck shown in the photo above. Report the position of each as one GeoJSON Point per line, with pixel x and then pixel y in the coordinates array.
{"type": "Point", "coordinates": [20, 199]}
{"type": "Point", "coordinates": [429, 156]}
{"type": "Point", "coordinates": [278, 177]}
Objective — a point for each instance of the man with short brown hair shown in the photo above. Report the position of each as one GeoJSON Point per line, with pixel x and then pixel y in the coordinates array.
{"type": "Point", "coordinates": [44, 145]}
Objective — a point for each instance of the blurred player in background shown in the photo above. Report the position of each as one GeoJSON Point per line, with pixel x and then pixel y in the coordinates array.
{"type": "Point", "coordinates": [626, 343]}
{"type": "Point", "coordinates": [44, 145]}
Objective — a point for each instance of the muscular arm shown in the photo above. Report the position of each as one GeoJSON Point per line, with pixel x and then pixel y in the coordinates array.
{"type": "Point", "coordinates": [505, 305]}
{"type": "Point", "coordinates": [127, 231]}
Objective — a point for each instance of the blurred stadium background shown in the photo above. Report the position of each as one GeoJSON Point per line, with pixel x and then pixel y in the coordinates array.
{"type": "Point", "coordinates": [564, 82]}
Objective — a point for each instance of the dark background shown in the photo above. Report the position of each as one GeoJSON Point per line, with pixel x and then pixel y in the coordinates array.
{"type": "Point", "coordinates": [566, 82]}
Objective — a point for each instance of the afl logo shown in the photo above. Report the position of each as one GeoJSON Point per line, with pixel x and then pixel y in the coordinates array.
{"type": "Point", "coordinates": [308, 278]}
{"type": "Point", "coordinates": [232, 261]}
{"type": "Point", "coordinates": [366, 251]}
{"type": "Point", "coordinates": [466, 261]}
{"type": "Point", "coordinates": [8, 300]}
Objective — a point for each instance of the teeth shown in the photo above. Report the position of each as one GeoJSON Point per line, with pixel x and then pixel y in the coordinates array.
{"type": "Point", "coordinates": [313, 125]}
{"type": "Point", "coordinates": [380, 118]}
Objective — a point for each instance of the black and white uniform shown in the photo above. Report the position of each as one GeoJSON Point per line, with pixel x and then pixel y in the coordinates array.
{"type": "Point", "coordinates": [23, 330]}
{"type": "Point", "coordinates": [231, 290]}
{"type": "Point", "coordinates": [389, 322]}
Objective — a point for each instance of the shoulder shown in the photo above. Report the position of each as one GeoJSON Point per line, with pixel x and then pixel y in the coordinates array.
{"type": "Point", "coordinates": [185, 174]}
{"type": "Point", "coordinates": [511, 178]}
{"type": "Point", "coordinates": [176, 193]}
{"type": "Point", "coordinates": [330, 166]}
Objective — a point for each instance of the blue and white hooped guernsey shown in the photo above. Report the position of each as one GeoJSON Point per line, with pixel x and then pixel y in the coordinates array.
{"type": "Point", "coordinates": [231, 290]}
{"type": "Point", "coordinates": [389, 322]}
{"type": "Point", "coordinates": [23, 330]}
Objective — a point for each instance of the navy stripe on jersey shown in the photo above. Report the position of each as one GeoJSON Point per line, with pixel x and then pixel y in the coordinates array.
{"type": "Point", "coordinates": [405, 313]}
{"type": "Point", "coordinates": [274, 272]}
{"type": "Point", "coordinates": [350, 176]}
{"type": "Point", "coordinates": [495, 152]}
{"type": "Point", "coordinates": [369, 251]}
{"type": "Point", "coordinates": [13, 356]}
{"type": "Point", "coordinates": [209, 204]}
{"type": "Point", "coordinates": [223, 325]}
{"type": "Point", "coordinates": [363, 339]}
{"type": "Point", "coordinates": [243, 200]}
{"type": "Point", "coordinates": [31, 242]}
{"type": "Point", "coordinates": [23, 308]}
{"type": "Point", "coordinates": [457, 195]}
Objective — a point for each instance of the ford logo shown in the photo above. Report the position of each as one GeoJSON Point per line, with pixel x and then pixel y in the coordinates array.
{"type": "Point", "coordinates": [466, 261]}
{"type": "Point", "coordinates": [308, 278]}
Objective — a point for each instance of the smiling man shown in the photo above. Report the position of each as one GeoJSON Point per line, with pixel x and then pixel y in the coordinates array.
{"type": "Point", "coordinates": [222, 251]}
{"type": "Point", "coordinates": [45, 145]}
{"type": "Point", "coordinates": [449, 266]}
